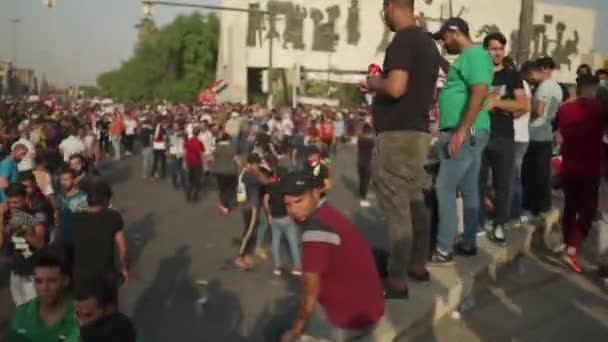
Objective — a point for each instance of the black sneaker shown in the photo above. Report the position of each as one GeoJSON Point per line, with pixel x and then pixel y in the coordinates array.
{"type": "Point", "coordinates": [462, 250]}
{"type": "Point", "coordinates": [497, 235]}
{"type": "Point", "coordinates": [440, 258]}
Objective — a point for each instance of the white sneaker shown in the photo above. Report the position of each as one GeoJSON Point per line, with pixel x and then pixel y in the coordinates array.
{"type": "Point", "coordinates": [365, 204]}
{"type": "Point", "coordinates": [277, 272]}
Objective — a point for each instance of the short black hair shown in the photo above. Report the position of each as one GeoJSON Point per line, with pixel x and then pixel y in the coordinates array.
{"type": "Point", "coordinates": [587, 81]}
{"type": "Point", "coordinates": [78, 156]}
{"type": "Point", "coordinates": [405, 3]}
{"type": "Point", "coordinates": [101, 289]}
{"type": "Point", "coordinates": [584, 66]}
{"type": "Point", "coordinates": [99, 192]}
{"type": "Point", "coordinates": [15, 190]}
{"type": "Point", "coordinates": [67, 170]}
{"type": "Point", "coordinates": [27, 177]}
{"type": "Point", "coordinates": [497, 36]}
{"type": "Point", "coordinates": [528, 67]}
{"type": "Point", "coordinates": [546, 63]}
{"type": "Point", "coordinates": [51, 257]}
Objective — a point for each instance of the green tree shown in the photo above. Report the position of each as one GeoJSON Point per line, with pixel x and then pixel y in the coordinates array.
{"type": "Point", "coordinates": [172, 63]}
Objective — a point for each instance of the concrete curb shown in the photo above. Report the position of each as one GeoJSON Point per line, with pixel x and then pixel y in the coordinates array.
{"type": "Point", "coordinates": [449, 287]}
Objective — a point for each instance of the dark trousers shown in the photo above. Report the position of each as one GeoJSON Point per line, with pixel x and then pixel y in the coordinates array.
{"type": "Point", "coordinates": [498, 157]}
{"type": "Point", "coordinates": [251, 217]}
{"type": "Point", "coordinates": [159, 164]}
{"type": "Point", "coordinates": [581, 194]}
{"type": "Point", "coordinates": [536, 177]}
{"type": "Point", "coordinates": [129, 142]}
{"type": "Point", "coordinates": [398, 176]}
{"type": "Point", "coordinates": [195, 181]}
{"type": "Point", "coordinates": [365, 174]}
{"type": "Point", "coordinates": [227, 188]}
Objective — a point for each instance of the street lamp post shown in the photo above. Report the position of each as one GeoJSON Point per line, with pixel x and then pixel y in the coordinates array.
{"type": "Point", "coordinates": [15, 22]}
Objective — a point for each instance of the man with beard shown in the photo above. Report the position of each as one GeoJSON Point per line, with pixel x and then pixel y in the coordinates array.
{"type": "Point", "coordinates": [404, 94]}
{"type": "Point", "coordinates": [70, 199]}
{"type": "Point", "coordinates": [50, 316]}
{"type": "Point", "coordinates": [508, 100]}
{"type": "Point", "coordinates": [83, 176]}
{"type": "Point", "coordinates": [25, 232]}
{"type": "Point", "coordinates": [465, 131]}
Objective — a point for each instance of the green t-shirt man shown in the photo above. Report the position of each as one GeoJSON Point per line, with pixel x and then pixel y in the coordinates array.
{"type": "Point", "coordinates": [473, 66]}
{"type": "Point", "coordinates": [25, 325]}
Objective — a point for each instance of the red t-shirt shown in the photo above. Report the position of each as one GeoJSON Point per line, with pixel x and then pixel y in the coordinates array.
{"type": "Point", "coordinates": [580, 124]}
{"type": "Point", "coordinates": [350, 294]}
{"type": "Point", "coordinates": [193, 148]}
{"type": "Point", "coordinates": [327, 131]}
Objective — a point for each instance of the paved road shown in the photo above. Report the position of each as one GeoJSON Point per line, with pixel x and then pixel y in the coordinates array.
{"type": "Point", "coordinates": [533, 301]}
{"type": "Point", "coordinates": [175, 246]}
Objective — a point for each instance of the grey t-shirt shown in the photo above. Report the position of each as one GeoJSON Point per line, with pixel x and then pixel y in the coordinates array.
{"type": "Point", "coordinates": [552, 94]}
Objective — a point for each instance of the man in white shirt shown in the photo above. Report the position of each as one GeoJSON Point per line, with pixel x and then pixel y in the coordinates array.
{"type": "Point", "coordinates": [27, 163]}
{"type": "Point", "coordinates": [71, 145]}
{"type": "Point", "coordinates": [287, 125]}
{"type": "Point", "coordinates": [130, 126]}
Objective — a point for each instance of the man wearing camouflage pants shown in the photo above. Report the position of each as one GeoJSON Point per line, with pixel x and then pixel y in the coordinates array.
{"type": "Point", "coordinates": [403, 97]}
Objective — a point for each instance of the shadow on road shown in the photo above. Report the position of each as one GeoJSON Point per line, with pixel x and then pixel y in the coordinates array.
{"type": "Point", "coordinates": [139, 234]}
{"type": "Point", "coordinates": [171, 308]}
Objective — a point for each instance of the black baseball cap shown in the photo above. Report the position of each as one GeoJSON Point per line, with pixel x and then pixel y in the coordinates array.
{"type": "Point", "coordinates": [452, 24]}
{"type": "Point", "coordinates": [296, 184]}
{"type": "Point", "coordinates": [313, 149]}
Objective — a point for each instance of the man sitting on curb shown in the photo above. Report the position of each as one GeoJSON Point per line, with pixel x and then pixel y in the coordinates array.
{"type": "Point", "coordinates": [341, 297]}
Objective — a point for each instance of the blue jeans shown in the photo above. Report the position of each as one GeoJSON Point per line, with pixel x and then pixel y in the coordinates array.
{"type": "Point", "coordinates": [262, 229]}
{"type": "Point", "coordinates": [280, 226]}
{"type": "Point", "coordinates": [177, 172]}
{"type": "Point", "coordinates": [516, 188]}
{"type": "Point", "coordinates": [459, 172]}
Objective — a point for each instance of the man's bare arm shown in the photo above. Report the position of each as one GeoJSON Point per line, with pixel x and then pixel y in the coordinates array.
{"type": "Point", "coordinates": [479, 93]}
{"type": "Point", "coordinates": [311, 285]}
{"type": "Point", "coordinates": [518, 106]}
{"type": "Point", "coordinates": [394, 85]}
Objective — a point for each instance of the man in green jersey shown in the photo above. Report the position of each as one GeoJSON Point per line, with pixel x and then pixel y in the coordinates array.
{"type": "Point", "coordinates": [465, 130]}
{"type": "Point", "coordinates": [50, 316]}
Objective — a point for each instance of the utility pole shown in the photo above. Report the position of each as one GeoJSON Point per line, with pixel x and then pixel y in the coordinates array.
{"type": "Point", "coordinates": [526, 26]}
{"type": "Point", "coordinates": [15, 22]}
{"type": "Point", "coordinates": [271, 22]}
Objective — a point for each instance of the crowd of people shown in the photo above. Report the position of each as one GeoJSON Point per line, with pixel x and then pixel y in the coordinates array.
{"type": "Point", "coordinates": [482, 132]}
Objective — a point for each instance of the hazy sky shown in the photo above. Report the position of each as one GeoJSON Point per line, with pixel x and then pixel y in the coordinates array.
{"type": "Point", "coordinates": [76, 40]}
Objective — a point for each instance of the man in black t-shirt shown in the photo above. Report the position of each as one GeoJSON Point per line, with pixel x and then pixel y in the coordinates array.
{"type": "Point", "coordinates": [97, 234]}
{"type": "Point", "coordinates": [508, 100]}
{"type": "Point", "coordinates": [404, 94]}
